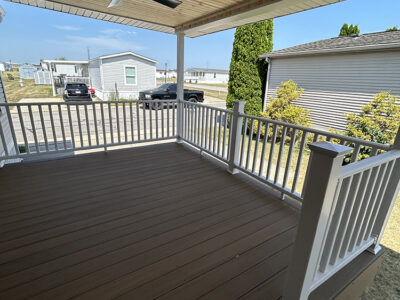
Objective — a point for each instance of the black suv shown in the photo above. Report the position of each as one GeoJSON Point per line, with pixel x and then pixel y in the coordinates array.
{"type": "Point", "coordinates": [167, 91]}
{"type": "Point", "coordinates": [76, 91]}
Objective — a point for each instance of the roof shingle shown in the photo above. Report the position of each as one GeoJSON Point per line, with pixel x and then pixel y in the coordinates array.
{"type": "Point", "coordinates": [369, 41]}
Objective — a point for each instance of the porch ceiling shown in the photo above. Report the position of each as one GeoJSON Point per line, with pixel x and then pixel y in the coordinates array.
{"type": "Point", "coordinates": [193, 17]}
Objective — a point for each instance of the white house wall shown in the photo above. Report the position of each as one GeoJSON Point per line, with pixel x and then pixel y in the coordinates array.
{"type": "Point", "coordinates": [337, 84]}
{"type": "Point", "coordinates": [68, 70]}
{"type": "Point", "coordinates": [95, 76]}
{"type": "Point", "coordinates": [113, 71]}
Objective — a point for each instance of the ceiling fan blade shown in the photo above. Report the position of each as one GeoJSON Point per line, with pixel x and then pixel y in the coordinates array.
{"type": "Point", "coordinates": [114, 3]}
{"type": "Point", "coordinates": [169, 3]}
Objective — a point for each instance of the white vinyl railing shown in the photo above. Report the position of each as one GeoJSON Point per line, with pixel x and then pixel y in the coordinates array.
{"type": "Point", "coordinates": [206, 128]}
{"type": "Point", "coordinates": [344, 212]}
{"type": "Point", "coordinates": [56, 127]}
{"type": "Point", "coordinates": [271, 151]}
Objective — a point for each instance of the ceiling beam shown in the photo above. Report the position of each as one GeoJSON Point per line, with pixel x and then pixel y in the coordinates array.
{"type": "Point", "coordinates": [225, 13]}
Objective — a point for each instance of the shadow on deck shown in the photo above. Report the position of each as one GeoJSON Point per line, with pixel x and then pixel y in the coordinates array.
{"type": "Point", "coordinates": [156, 221]}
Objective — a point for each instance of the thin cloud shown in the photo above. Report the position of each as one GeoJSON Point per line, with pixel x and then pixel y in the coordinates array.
{"type": "Point", "coordinates": [67, 27]}
{"type": "Point", "coordinates": [102, 43]}
{"type": "Point", "coordinates": [115, 31]}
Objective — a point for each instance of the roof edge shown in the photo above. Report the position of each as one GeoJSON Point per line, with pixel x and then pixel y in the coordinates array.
{"type": "Point", "coordinates": [332, 51]}
{"type": "Point", "coordinates": [124, 53]}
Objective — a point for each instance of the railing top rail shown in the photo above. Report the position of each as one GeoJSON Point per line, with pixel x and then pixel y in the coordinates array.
{"type": "Point", "coordinates": [368, 163]}
{"type": "Point", "coordinates": [208, 106]}
{"type": "Point", "coordinates": [322, 132]}
{"type": "Point", "coordinates": [84, 102]}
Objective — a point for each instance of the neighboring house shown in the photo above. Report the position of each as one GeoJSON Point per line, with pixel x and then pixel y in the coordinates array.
{"type": "Point", "coordinates": [124, 73]}
{"type": "Point", "coordinates": [66, 67]}
{"type": "Point", "coordinates": [199, 75]}
{"type": "Point", "coordinates": [165, 73]}
{"type": "Point", "coordinates": [5, 67]}
{"type": "Point", "coordinates": [26, 71]}
{"type": "Point", "coordinates": [339, 75]}
{"type": "Point", "coordinates": [63, 71]}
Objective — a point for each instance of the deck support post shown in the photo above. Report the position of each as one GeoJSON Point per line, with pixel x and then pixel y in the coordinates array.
{"type": "Point", "coordinates": [179, 84]}
{"type": "Point", "coordinates": [325, 163]}
{"type": "Point", "coordinates": [236, 131]}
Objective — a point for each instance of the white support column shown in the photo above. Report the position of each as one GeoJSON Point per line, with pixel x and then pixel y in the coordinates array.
{"type": "Point", "coordinates": [267, 84]}
{"type": "Point", "coordinates": [326, 162]}
{"type": "Point", "coordinates": [236, 132]}
{"type": "Point", "coordinates": [52, 79]}
{"type": "Point", "coordinates": [180, 82]}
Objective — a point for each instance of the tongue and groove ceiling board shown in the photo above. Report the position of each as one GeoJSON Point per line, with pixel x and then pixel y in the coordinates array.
{"type": "Point", "coordinates": [193, 17]}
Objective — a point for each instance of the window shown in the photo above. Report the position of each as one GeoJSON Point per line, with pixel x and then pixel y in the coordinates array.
{"type": "Point", "coordinates": [130, 75]}
{"type": "Point", "coordinates": [215, 75]}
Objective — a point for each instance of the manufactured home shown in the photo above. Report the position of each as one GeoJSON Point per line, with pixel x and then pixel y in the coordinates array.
{"type": "Point", "coordinates": [65, 67]}
{"type": "Point", "coordinates": [5, 67]}
{"type": "Point", "coordinates": [339, 75]}
{"type": "Point", "coordinates": [122, 75]}
{"type": "Point", "coordinates": [162, 73]}
{"type": "Point", "coordinates": [200, 75]}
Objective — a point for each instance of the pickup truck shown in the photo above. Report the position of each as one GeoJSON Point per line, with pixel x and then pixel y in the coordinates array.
{"type": "Point", "coordinates": [167, 91]}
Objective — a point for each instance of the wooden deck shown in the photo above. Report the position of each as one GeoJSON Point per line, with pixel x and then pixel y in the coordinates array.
{"type": "Point", "coordinates": [150, 222]}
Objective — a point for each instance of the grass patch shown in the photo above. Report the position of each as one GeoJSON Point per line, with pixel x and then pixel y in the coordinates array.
{"type": "Point", "coordinates": [387, 281]}
{"type": "Point", "coordinates": [15, 93]}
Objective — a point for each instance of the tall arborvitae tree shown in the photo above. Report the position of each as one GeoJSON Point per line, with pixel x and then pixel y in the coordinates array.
{"type": "Point", "coordinates": [347, 30]}
{"type": "Point", "coordinates": [247, 71]}
{"type": "Point", "coordinates": [344, 30]}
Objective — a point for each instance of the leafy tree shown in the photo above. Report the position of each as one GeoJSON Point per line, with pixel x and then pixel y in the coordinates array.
{"type": "Point", "coordinates": [394, 28]}
{"type": "Point", "coordinates": [282, 108]}
{"type": "Point", "coordinates": [62, 58]}
{"type": "Point", "coordinates": [344, 30]}
{"type": "Point", "coordinates": [378, 122]}
{"type": "Point", "coordinates": [247, 71]}
{"type": "Point", "coordinates": [347, 30]}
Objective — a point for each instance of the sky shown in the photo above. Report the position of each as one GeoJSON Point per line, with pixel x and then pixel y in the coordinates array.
{"type": "Point", "coordinates": [29, 34]}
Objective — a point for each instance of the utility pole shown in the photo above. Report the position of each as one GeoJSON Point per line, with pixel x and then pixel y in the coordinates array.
{"type": "Point", "coordinates": [165, 73]}
{"type": "Point", "coordinates": [88, 53]}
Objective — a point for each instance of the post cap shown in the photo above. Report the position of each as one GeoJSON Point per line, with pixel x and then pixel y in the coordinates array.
{"type": "Point", "coordinates": [239, 105]}
{"type": "Point", "coordinates": [332, 150]}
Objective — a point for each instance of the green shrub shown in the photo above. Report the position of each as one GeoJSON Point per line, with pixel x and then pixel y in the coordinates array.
{"type": "Point", "coordinates": [282, 108]}
{"type": "Point", "coordinates": [378, 122]}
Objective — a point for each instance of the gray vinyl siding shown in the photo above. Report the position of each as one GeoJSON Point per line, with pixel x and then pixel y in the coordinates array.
{"type": "Point", "coordinates": [337, 84]}
{"type": "Point", "coordinates": [95, 75]}
{"type": "Point", "coordinates": [113, 72]}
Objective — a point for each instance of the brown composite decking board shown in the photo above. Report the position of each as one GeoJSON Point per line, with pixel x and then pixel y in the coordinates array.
{"type": "Point", "coordinates": [149, 222]}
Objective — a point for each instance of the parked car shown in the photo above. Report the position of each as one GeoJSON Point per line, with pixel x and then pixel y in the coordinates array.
{"type": "Point", "coordinates": [167, 91]}
{"type": "Point", "coordinates": [76, 92]}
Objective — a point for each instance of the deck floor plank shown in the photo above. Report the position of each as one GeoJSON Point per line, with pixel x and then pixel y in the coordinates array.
{"type": "Point", "coordinates": [154, 221]}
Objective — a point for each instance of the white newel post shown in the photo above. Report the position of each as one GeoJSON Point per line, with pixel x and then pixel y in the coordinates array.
{"type": "Point", "coordinates": [179, 83]}
{"type": "Point", "coordinates": [236, 131]}
{"type": "Point", "coordinates": [325, 163]}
